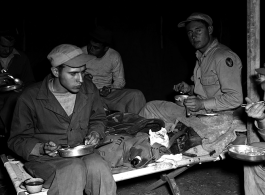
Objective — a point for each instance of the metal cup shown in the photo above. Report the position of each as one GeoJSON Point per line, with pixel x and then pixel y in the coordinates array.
{"type": "Point", "coordinates": [179, 99]}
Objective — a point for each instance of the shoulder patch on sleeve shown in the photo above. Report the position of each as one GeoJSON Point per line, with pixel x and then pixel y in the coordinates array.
{"type": "Point", "coordinates": [229, 62]}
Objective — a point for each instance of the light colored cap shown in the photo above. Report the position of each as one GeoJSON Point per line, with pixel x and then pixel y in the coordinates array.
{"type": "Point", "coordinates": [70, 55]}
{"type": "Point", "coordinates": [197, 16]}
{"type": "Point", "coordinates": [7, 41]}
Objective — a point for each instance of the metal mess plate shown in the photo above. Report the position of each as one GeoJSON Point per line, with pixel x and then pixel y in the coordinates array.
{"type": "Point", "coordinates": [207, 114]}
{"type": "Point", "coordinates": [80, 150]}
{"type": "Point", "coordinates": [10, 88]}
{"type": "Point", "coordinates": [247, 153]}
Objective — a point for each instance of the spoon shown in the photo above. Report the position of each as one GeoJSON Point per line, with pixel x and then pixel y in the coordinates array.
{"type": "Point", "coordinates": [17, 81]}
{"type": "Point", "coordinates": [3, 71]}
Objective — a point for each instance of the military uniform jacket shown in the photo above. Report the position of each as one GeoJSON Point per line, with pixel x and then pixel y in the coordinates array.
{"type": "Point", "coordinates": [217, 78]}
{"type": "Point", "coordinates": [39, 118]}
{"type": "Point", "coordinates": [19, 67]}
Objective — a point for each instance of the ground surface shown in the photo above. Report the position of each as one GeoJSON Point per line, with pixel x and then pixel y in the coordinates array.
{"type": "Point", "coordinates": [211, 178]}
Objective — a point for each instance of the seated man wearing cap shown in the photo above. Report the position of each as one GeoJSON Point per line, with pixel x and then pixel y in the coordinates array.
{"type": "Point", "coordinates": [254, 174]}
{"type": "Point", "coordinates": [63, 110]}
{"type": "Point", "coordinates": [216, 77]}
{"type": "Point", "coordinates": [108, 74]}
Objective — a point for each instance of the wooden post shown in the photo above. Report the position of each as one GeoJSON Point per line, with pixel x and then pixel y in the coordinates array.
{"type": "Point", "coordinates": [24, 34]}
{"type": "Point", "coordinates": [253, 58]}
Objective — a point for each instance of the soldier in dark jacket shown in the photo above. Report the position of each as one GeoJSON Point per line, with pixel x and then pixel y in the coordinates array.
{"type": "Point", "coordinates": [15, 63]}
{"type": "Point", "coordinates": [64, 109]}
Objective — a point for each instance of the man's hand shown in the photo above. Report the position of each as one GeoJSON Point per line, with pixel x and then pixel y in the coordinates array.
{"type": "Point", "coordinates": [193, 103]}
{"type": "Point", "coordinates": [105, 91]}
{"type": "Point", "coordinates": [182, 87]}
{"type": "Point", "coordinates": [92, 139]}
{"type": "Point", "coordinates": [50, 148]}
{"type": "Point", "coordinates": [255, 110]}
{"type": "Point", "coordinates": [3, 78]}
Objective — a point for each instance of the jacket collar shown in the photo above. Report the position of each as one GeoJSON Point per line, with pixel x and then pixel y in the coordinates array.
{"type": "Point", "coordinates": [15, 52]}
{"type": "Point", "coordinates": [50, 102]}
{"type": "Point", "coordinates": [200, 55]}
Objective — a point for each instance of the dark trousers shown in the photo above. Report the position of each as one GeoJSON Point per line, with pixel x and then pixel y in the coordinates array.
{"type": "Point", "coordinates": [72, 176]}
{"type": "Point", "coordinates": [7, 105]}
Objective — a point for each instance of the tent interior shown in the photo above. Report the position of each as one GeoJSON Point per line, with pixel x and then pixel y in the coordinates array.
{"type": "Point", "coordinates": [156, 53]}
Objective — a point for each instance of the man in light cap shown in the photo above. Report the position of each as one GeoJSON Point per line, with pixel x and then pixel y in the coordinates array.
{"type": "Point", "coordinates": [217, 83]}
{"type": "Point", "coordinates": [63, 110]}
{"type": "Point", "coordinates": [108, 74]}
{"type": "Point", "coordinates": [254, 174]}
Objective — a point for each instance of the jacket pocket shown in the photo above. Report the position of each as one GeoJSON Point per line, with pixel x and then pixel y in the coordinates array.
{"type": "Point", "coordinates": [209, 80]}
{"type": "Point", "coordinates": [83, 125]}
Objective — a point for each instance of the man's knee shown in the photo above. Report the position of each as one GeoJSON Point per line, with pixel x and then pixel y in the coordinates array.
{"type": "Point", "coordinates": [95, 162]}
{"type": "Point", "coordinates": [137, 93]}
{"type": "Point", "coordinates": [150, 104]}
{"type": "Point", "coordinates": [76, 165]}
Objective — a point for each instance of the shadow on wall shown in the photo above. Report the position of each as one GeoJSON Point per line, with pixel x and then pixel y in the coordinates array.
{"type": "Point", "coordinates": [40, 65]}
{"type": "Point", "coordinates": [151, 56]}
{"type": "Point", "coordinates": [150, 52]}
{"type": "Point", "coordinates": [156, 54]}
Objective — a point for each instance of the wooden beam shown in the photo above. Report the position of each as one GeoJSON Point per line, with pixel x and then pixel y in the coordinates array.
{"type": "Point", "coordinates": [253, 58]}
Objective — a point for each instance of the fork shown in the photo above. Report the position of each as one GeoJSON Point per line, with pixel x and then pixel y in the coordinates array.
{"type": "Point", "coordinates": [244, 105]}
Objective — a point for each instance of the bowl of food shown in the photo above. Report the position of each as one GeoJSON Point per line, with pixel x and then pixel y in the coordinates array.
{"type": "Point", "coordinates": [10, 83]}
{"type": "Point", "coordinates": [179, 99]}
{"type": "Point", "coordinates": [33, 185]}
{"type": "Point", "coordinates": [247, 153]}
{"type": "Point", "coordinates": [79, 150]}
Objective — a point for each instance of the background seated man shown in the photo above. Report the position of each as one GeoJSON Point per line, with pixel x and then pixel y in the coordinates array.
{"type": "Point", "coordinates": [63, 109]}
{"type": "Point", "coordinates": [108, 74]}
{"type": "Point", "coordinates": [254, 174]}
{"type": "Point", "coordinates": [17, 64]}
{"type": "Point", "coordinates": [217, 87]}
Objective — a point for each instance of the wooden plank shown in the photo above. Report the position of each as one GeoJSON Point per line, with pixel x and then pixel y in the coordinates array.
{"type": "Point", "coordinates": [18, 174]}
{"type": "Point", "coordinates": [160, 167]}
{"type": "Point", "coordinates": [253, 58]}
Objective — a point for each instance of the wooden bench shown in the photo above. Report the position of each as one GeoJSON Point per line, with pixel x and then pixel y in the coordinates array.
{"type": "Point", "coordinates": [18, 174]}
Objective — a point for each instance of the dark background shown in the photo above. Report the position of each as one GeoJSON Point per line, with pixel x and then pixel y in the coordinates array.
{"type": "Point", "coordinates": [155, 52]}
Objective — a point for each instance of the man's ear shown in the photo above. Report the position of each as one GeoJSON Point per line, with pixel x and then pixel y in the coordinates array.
{"type": "Point", "coordinates": [55, 71]}
{"type": "Point", "coordinates": [210, 29]}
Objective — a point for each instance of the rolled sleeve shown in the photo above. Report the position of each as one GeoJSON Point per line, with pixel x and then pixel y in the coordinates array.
{"type": "Point", "coordinates": [230, 82]}
{"type": "Point", "coordinates": [38, 149]}
{"type": "Point", "coordinates": [118, 73]}
{"type": "Point", "coordinates": [260, 130]}
{"type": "Point", "coordinates": [209, 104]}
{"type": "Point", "coordinates": [98, 118]}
